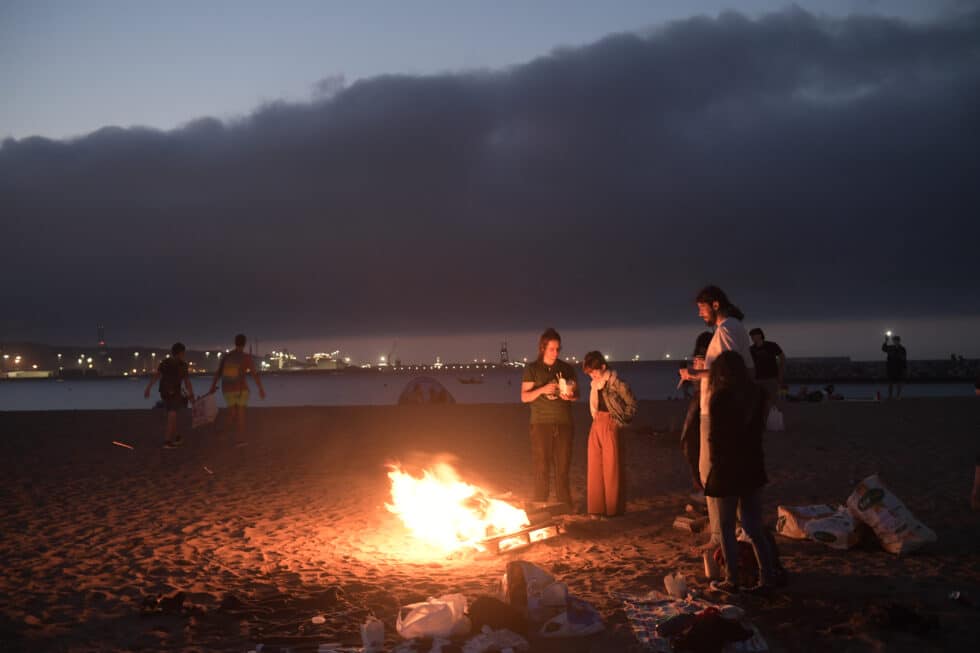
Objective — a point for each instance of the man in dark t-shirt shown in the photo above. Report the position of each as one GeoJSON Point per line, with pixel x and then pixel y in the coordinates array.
{"type": "Point", "coordinates": [550, 386]}
{"type": "Point", "coordinates": [770, 363]}
{"type": "Point", "coordinates": [172, 372]}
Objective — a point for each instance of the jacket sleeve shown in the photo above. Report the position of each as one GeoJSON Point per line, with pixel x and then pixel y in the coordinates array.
{"type": "Point", "coordinates": [629, 399]}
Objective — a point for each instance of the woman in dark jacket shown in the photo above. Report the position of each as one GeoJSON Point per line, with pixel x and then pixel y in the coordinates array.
{"type": "Point", "coordinates": [737, 475]}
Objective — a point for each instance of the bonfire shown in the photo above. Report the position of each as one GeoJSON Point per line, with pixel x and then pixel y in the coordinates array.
{"type": "Point", "coordinates": [440, 509]}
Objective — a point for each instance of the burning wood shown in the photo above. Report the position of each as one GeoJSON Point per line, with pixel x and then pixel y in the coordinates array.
{"type": "Point", "coordinates": [449, 514]}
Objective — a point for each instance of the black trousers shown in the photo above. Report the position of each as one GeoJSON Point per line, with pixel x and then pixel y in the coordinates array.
{"type": "Point", "coordinates": [551, 447]}
{"type": "Point", "coordinates": [691, 438]}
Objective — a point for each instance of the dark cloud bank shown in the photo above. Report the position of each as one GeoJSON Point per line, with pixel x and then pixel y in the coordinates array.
{"type": "Point", "coordinates": [822, 168]}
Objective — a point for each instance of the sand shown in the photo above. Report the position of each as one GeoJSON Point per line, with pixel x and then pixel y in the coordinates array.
{"type": "Point", "coordinates": [263, 536]}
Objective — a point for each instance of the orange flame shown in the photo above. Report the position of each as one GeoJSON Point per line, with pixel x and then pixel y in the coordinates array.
{"type": "Point", "coordinates": [447, 513]}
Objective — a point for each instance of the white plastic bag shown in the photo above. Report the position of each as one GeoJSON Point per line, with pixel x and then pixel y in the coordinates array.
{"type": "Point", "coordinates": [204, 410]}
{"type": "Point", "coordinates": [676, 585]}
{"type": "Point", "coordinates": [441, 617]}
{"type": "Point", "coordinates": [373, 635]}
{"type": "Point", "coordinates": [838, 531]}
{"type": "Point", "coordinates": [774, 422]}
{"type": "Point", "coordinates": [791, 521]}
{"type": "Point", "coordinates": [894, 524]}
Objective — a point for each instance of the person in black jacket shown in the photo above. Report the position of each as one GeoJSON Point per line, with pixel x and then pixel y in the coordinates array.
{"type": "Point", "coordinates": [690, 434]}
{"type": "Point", "coordinates": [737, 473]}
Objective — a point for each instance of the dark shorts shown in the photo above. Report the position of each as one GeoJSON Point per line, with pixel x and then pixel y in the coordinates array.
{"type": "Point", "coordinates": [173, 402]}
{"type": "Point", "coordinates": [896, 374]}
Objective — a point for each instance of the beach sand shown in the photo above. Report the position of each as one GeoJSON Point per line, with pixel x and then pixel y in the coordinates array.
{"type": "Point", "coordinates": [263, 536]}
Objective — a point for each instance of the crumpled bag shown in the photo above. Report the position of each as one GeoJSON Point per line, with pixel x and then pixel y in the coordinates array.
{"type": "Point", "coordinates": [438, 617]}
{"type": "Point", "coordinates": [578, 620]}
{"type": "Point", "coordinates": [894, 524]}
{"type": "Point", "coordinates": [774, 422]}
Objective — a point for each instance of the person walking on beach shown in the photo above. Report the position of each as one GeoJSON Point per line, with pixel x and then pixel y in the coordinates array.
{"type": "Point", "coordinates": [716, 310]}
{"type": "Point", "coordinates": [171, 372]}
{"type": "Point", "coordinates": [770, 364]}
{"type": "Point", "coordinates": [734, 483]}
{"type": "Point", "coordinates": [613, 406]}
{"type": "Point", "coordinates": [549, 385]}
{"type": "Point", "coordinates": [232, 370]}
{"type": "Point", "coordinates": [691, 432]}
{"type": "Point", "coordinates": [895, 364]}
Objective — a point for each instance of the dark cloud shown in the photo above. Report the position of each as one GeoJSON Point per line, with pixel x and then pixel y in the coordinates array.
{"type": "Point", "coordinates": [819, 167]}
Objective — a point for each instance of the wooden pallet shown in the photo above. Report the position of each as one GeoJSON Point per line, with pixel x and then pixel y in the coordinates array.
{"type": "Point", "coordinates": [524, 537]}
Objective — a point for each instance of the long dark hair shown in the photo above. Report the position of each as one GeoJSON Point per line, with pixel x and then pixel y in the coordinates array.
{"type": "Point", "coordinates": [546, 337]}
{"type": "Point", "coordinates": [710, 294]}
{"type": "Point", "coordinates": [728, 372]}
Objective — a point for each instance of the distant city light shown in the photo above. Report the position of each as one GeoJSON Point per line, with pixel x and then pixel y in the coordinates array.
{"type": "Point", "coordinates": [666, 355]}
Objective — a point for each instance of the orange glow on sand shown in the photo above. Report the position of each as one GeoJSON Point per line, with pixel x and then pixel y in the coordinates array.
{"type": "Point", "coordinates": [450, 515]}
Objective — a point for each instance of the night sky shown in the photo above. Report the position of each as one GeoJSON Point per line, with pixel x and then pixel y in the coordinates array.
{"type": "Point", "coordinates": [822, 170]}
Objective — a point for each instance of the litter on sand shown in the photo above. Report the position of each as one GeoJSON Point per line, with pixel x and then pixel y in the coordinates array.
{"type": "Point", "coordinates": [208, 469]}
{"type": "Point", "coordinates": [122, 444]}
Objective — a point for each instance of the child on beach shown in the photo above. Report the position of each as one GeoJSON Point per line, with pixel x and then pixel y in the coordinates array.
{"type": "Point", "coordinates": [172, 372]}
{"type": "Point", "coordinates": [612, 405]}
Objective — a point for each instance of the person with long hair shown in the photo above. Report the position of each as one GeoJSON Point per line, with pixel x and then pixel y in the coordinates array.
{"type": "Point", "coordinates": [549, 385]}
{"type": "Point", "coordinates": [737, 475]}
{"type": "Point", "coordinates": [718, 311]}
{"type": "Point", "coordinates": [612, 405]}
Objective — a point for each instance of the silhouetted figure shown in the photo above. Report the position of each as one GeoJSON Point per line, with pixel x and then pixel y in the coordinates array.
{"type": "Point", "coordinates": [737, 475]}
{"type": "Point", "coordinates": [896, 364]}
{"type": "Point", "coordinates": [691, 432]}
{"type": "Point", "coordinates": [770, 364]}
{"type": "Point", "coordinates": [172, 372]}
{"type": "Point", "coordinates": [232, 371]}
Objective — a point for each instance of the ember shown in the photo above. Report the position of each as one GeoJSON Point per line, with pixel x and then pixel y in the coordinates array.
{"type": "Point", "coordinates": [448, 513]}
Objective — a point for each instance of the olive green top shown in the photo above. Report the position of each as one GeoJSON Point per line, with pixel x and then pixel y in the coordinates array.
{"type": "Point", "coordinates": [544, 410]}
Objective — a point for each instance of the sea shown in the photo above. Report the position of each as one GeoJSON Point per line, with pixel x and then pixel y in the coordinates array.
{"type": "Point", "coordinates": [381, 388]}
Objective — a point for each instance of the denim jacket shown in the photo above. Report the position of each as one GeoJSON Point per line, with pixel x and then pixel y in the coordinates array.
{"type": "Point", "coordinates": [617, 395]}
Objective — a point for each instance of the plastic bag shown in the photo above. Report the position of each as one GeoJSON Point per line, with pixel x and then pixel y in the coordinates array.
{"type": "Point", "coordinates": [838, 531]}
{"type": "Point", "coordinates": [373, 635]}
{"type": "Point", "coordinates": [894, 524]}
{"type": "Point", "coordinates": [676, 585]}
{"type": "Point", "coordinates": [578, 620]}
{"type": "Point", "coordinates": [441, 617]}
{"type": "Point", "coordinates": [204, 410]}
{"type": "Point", "coordinates": [774, 422]}
{"type": "Point", "coordinates": [791, 521]}
{"type": "Point", "coordinates": [526, 587]}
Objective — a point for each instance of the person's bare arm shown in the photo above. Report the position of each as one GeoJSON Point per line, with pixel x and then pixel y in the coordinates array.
{"type": "Point", "coordinates": [529, 393]}
{"type": "Point", "coordinates": [153, 379]}
{"type": "Point", "coordinates": [190, 388]}
{"type": "Point", "coordinates": [258, 382]}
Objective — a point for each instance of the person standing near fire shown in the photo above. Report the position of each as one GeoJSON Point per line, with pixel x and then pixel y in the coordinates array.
{"type": "Point", "coordinates": [550, 386]}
